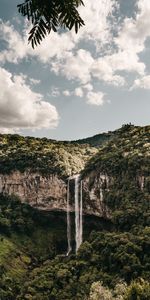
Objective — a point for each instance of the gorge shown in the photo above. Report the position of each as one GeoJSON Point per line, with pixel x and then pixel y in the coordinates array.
{"type": "Point", "coordinates": [73, 213]}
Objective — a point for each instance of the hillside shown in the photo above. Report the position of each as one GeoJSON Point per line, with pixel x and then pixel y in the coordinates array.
{"type": "Point", "coordinates": [125, 164]}
{"type": "Point", "coordinates": [96, 140]}
{"type": "Point", "coordinates": [114, 255]}
{"type": "Point", "coordinates": [65, 158]}
{"type": "Point", "coordinates": [42, 155]}
{"type": "Point", "coordinates": [129, 142]}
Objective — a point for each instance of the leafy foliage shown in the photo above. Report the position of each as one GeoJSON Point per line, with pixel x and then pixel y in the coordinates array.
{"type": "Point", "coordinates": [113, 257]}
{"type": "Point", "coordinates": [137, 290]}
{"type": "Point", "coordinates": [99, 291]}
{"type": "Point", "coordinates": [31, 268]}
{"type": "Point", "coordinates": [50, 15]}
{"type": "Point", "coordinates": [125, 160]}
{"type": "Point", "coordinates": [42, 155]}
{"type": "Point", "coordinates": [128, 148]}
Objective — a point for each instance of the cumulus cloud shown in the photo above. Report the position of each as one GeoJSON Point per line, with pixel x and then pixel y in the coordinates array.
{"type": "Point", "coordinates": [143, 83]}
{"type": "Point", "coordinates": [97, 29]}
{"type": "Point", "coordinates": [135, 31]}
{"type": "Point", "coordinates": [34, 81]}
{"type": "Point", "coordinates": [76, 66]}
{"type": "Point", "coordinates": [125, 48]}
{"type": "Point", "coordinates": [79, 92]}
{"type": "Point", "coordinates": [68, 60]}
{"type": "Point", "coordinates": [86, 91]}
{"type": "Point", "coordinates": [22, 108]}
{"type": "Point", "coordinates": [129, 42]}
{"type": "Point", "coordinates": [88, 87]}
{"type": "Point", "coordinates": [94, 98]}
{"type": "Point", "coordinates": [66, 93]}
{"type": "Point", "coordinates": [110, 54]}
{"type": "Point", "coordinates": [97, 16]}
{"type": "Point", "coordinates": [17, 45]}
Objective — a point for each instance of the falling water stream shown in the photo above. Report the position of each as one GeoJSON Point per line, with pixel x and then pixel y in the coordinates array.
{"type": "Point", "coordinates": [81, 214]}
{"type": "Point", "coordinates": [68, 220]}
{"type": "Point", "coordinates": [78, 213]}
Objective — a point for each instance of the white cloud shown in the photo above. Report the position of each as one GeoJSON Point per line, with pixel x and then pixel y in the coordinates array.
{"type": "Point", "coordinates": [75, 66]}
{"type": "Point", "coordinates": [143, 83]}
{"type": "Point", "coordinates": [66, 93]}
{"type": "Point", "coordinates": [97, 29]}
{"type": "Point", "coordinates": [88, 87]}
{"type": "Point", "coordinates": [62, 47]}
{"type": "Point", "coordinates": [79, 92]}
{"type": "Point", "coordinates": [94, 98]}
{"type": "Point", "coordinates": [86, 91]}
{"type": "Point", "coordinates": [104, 70]}
{"type": "Point", "coordinates": [17, 46]}
{"type": "Point", "coordinates": [34, 81]}
{"type": "Point", "coordinates": [134, 32]}
{"type": "Point", "coordinates": [20, 107]}
{"type": "Point", "coordinates": [130, 41]}
{"type": "Point", "coordinates": [56, 45]}
{"type": "Point", "coordinates": [96, 15]}
{"type": "Point", "coordinates": [112, 55]}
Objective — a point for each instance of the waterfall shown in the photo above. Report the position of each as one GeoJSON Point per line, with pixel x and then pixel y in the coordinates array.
{"type": "Point", "coordinates": [81, 214]}
{"type": "Point", "coordinates": [68, 220]}
{"type": "Point", "coordinates": [78, 213]}
{"type": "Point", "coordinates": [77, 220]}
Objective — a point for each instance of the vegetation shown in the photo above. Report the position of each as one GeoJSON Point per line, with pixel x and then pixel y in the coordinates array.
{"type": "Point", "coordinates": [28, 237]}
{"type": "Point", "coordinates": [50, 15]}
{"type": "Point", "coordinates": [96, 140]}
{"type": "Point", "coordinates": [119, 150]}
{"type": "Point", "coordinates": [138, 289]}
{"type": "Point", "coordinates": [127, 148]}
{"type": "Point", "coordinates": [42, 155]}
{"type": "Point", "coordinates": [113, 262]}
{"type": "Point", "coordinates": [125, 160]}
{"type": "Point", "coordinates": [106, 257]}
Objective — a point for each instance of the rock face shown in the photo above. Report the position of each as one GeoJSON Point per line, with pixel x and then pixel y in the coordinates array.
{"type": "Point", "coordinates": [47, 193]}
{"type": "Point", "coordinates": [50, 192]}
{"type": "Point", "coordinates": [94, 186]}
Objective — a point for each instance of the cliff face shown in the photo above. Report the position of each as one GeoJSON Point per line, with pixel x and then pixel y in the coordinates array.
{"type": "Point", "coordinates": [94, 186]}
{"type": "Point", "coordinates": [42, 192]}
{"type": "Point", "coordinates": [50, 192]}
{"type": "Point", "coordinates": [113, 176]}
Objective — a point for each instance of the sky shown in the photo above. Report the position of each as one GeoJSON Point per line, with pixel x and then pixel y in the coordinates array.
{"type": "Point", "coordinates": [76, 85]}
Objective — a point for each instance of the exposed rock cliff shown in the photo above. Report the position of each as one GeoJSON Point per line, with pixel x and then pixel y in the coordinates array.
{"type": "Point", "coordinates": [94, 186]}
{"type": "Point", "coordinates": [44, 192]}
{"type": "Point", "coordinates": [49, 192]}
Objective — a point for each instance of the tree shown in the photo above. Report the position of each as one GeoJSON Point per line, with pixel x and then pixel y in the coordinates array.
{"type": "Point", "coordinates": [47, 15]}
{"type": "Point", "coordinates": [99, 292]}
{"type": "Point", "coordinates": [138, 290]}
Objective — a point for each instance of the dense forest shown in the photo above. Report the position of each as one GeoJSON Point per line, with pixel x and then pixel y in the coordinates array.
{"type": "Point", "coordinates": [113, 262]}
